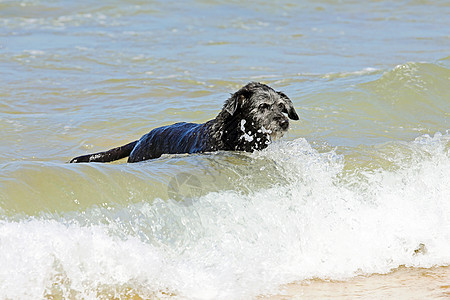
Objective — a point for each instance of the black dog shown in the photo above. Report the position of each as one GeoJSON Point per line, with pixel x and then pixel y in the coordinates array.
{"type": "Point", "coordinates": [250, 119]}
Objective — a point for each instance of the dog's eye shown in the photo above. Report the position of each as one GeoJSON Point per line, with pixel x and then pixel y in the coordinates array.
{"type": "Point", "coordinates": [282, 107]}
{"type": "Point", "coordinates": [264, 106]}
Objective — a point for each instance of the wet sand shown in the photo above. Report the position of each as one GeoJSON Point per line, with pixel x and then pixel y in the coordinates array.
{"type": "Point", "coordinates": [403, 283]}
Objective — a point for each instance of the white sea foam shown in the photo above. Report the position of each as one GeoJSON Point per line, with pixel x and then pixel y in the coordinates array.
{"type": "Point", "coordinates": [365, 71]}
{"type": "Point", "coordinates": [247, 136]}
{"type": "Point", "coordinates": [317, 222]}
{"type": "Point", "coordinates": [34, 52]}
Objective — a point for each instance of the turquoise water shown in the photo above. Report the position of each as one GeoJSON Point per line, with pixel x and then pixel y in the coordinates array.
{"type": "Point", "coordinates": [355, 187]}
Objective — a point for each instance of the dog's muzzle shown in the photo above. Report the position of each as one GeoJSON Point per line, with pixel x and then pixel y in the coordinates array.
{"type": "Point", "coordinates": [284, 124]}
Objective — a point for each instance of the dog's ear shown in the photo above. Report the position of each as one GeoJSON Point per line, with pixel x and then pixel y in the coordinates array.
{"type": "Point", "coordinates": [237, 100]}
{"type": "Point", "coordinates": [231, 105]}
{"type": "Point", "coordinates": [290, 110]}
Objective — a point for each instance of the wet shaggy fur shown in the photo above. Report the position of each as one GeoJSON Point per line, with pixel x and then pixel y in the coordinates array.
{"type": "Point", "coordinates": [250, 119]}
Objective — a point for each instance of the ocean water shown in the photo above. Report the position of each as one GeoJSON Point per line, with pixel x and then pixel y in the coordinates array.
{"type": "Point", "coordinates": [360, 186]}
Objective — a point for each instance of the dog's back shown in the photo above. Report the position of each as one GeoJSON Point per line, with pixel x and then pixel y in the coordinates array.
{"type": "Point", "coordinates": [173, 139]}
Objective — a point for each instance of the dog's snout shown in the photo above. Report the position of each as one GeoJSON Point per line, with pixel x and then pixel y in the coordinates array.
{"type": "Point", "coordinates": [282, 121]}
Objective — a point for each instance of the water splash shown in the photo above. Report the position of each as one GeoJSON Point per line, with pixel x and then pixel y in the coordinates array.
{"type": "Point", "coordinates": [317, 221]}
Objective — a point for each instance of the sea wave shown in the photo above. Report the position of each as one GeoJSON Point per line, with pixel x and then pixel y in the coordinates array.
{"type": "Point", "coordinates": [320, 218]}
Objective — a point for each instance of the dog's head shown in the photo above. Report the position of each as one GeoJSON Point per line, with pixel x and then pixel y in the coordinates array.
{"type": "Point", "coordinates": [261, 109]}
